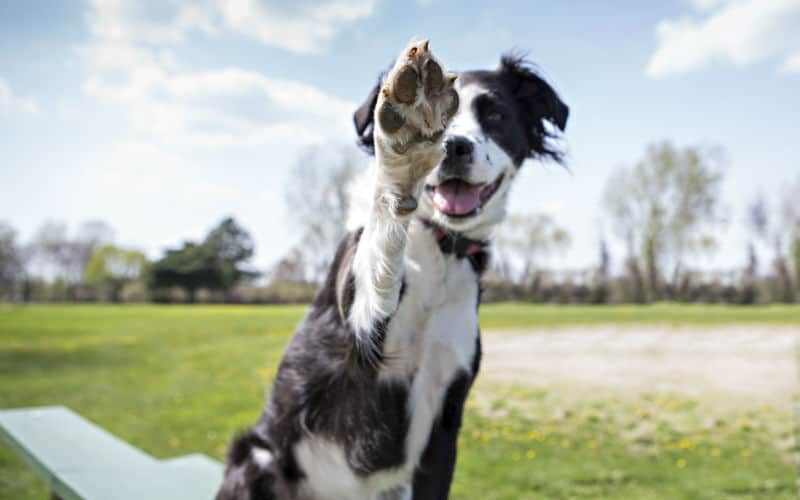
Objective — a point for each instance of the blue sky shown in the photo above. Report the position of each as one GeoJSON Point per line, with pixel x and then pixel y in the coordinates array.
{"type": "Point", "coordinates": [162, 117]}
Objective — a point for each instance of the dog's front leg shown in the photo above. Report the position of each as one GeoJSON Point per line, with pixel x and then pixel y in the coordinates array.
{"type": "Point", "coordinates": [415, 105]}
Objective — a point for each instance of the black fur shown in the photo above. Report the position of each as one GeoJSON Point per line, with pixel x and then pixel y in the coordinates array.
{"type": "Point", "coordinates": [363, 119]}
{"type": "Point", "coordinates": [516, 111]}
{"type": "Point", "coordinates": [435, 472]}
{"type": "Point", "coordinates": [326, 385]}
{"type": "Point", "coordinates": [531, 114]}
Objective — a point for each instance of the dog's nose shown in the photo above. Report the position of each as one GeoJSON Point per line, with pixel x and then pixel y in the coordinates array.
{"type": "Point", "coordinates": [459, 148]}
{"type": "Point", "coordinates": [457, 159]}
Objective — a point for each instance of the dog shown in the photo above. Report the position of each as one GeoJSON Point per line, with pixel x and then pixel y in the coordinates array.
{"type": "Point", "coordinates": [368, 399]}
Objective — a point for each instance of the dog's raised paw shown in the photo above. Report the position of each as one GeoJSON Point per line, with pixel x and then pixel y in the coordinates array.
{"type": "Point", "coordinates": [416, 103]}
{"type": "Point", "coordinates": [417, 100]}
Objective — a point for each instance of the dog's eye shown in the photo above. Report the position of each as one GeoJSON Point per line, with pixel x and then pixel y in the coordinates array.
{"type": "Point", "coordinates": [494, 116]}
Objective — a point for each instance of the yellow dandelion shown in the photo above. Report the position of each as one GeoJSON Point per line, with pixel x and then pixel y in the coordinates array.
{"type": "Point", "coordinates": [565, 443]}
{"type": "Point", "coordinates": [592, 444]}
{"type": "Point", "coordinates": [715, 452]}
{"type": "Point", "coordinates": [680, 463]}
{"type": "Point", "coordinates": [746, 452]}
{"type": "Point", "coordinates": [535, 436]}
{"type": "Point", "coordinates": [685, 444]}
{"type": "Point", "coordinates": [531, 454]}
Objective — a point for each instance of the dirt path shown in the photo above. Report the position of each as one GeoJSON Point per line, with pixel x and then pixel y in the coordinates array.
{"type": "Point", "coordinates": [751, 365]}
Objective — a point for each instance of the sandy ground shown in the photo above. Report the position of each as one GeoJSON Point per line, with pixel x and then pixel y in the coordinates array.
{"type": "Point", "coordinates": [750, 365]}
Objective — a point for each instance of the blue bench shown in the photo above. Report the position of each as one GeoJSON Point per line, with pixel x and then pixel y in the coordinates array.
{"type": "Point", "coordinates": [80, 461]}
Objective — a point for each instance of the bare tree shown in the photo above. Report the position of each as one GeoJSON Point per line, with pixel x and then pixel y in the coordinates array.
{"type": "Point", "coordinates": [790, 214]}
{"type": "Point", "coordinates": [290, 268]}
{"type": "Point", "coordinates": [317, 201]}
{"type": "Point", "coordinates": [666, 206]}
{"type": "Point", "coordinates": [774, 232]}
{"type": "Point", "coordinates": [65, 258]}
{"type": "Point", "coordinates": [527, 240]}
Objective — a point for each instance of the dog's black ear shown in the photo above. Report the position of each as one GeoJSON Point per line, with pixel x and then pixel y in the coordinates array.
{"type": "Point", "coordinates": [541, 109]}
{"type": "Point", "coordinates": [363, 119]}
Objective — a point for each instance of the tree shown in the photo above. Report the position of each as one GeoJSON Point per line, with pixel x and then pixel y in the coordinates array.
{"type": "Point", "coordinates": [318, 202]}
{"type": "Point", "coordinates": [666, 206]}
{"type": "Point", "coordinates": [233, 246]}
{"type": "Point", "coordinates": [65, 258]}
{"type": "Point", "coordinates": [790, 211]}
{"type": "Point", "coordinates": [530, 239]}
{"type": "Point", "coordinates": [774, 233]}
{"type": "Point", "coordinates": [112, 268]}
{"type": "Point", "coordinates": [290, 269]}
{"type": "Point", "coordinates": [215, 264]}
{"type": "Point", "coordinates": [10, 260]}
{"type": "Point", "coordinates": [90, 236]}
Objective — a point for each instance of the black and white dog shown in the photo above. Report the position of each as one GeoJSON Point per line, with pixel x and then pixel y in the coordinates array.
{"type": "Point", "coordinates": [368, 400]}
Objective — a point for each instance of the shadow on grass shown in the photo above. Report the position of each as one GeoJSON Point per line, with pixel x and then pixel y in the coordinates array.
{"type": "Point", "coordinates": [33, 362]}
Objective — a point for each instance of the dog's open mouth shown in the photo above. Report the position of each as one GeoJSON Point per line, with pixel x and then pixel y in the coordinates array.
{"type": "Point", "coordinates": [458, 198]}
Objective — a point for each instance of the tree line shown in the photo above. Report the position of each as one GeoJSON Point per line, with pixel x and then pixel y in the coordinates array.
{"type": "Point", "coordinates": [88, 266]}
{"type": "Point", "coordinates": [666, 211]}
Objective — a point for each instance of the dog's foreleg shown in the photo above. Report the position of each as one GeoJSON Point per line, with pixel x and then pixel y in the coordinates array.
{"type": "Point", "coordinates": [415, 104]}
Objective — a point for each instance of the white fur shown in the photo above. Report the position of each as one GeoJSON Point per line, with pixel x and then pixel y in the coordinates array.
{"type": "Point", "coordinates": [261, 457]}
{"type": "Point", "coordinates": [489, 162]}
{"type": "Point", "coordinates": [328, 477]}
{"type": "Point", "coordinates": [432, 334]}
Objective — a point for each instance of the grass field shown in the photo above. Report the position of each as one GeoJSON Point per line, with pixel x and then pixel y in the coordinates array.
{"type": "Point", "coordinates": [174, 380]}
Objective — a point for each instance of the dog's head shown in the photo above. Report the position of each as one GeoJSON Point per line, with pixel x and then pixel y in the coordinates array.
{"type": "Point", "coordinates": [506, 116]}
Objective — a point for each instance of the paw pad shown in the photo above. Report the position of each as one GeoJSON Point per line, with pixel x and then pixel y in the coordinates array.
{"type": "Point", "coordinates": [406, 205]}
{"type": "Point", "coordinates": [405, 85]}
{"type": "Point", "coordinates": [390, 120]}
{"type": "Point", "coordinates": [434, 78]}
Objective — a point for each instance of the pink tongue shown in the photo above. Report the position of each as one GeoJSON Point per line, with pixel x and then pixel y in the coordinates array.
{"type": "Point", "coordinates": [457, 198]}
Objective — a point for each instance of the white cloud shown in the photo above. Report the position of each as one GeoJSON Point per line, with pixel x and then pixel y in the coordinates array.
{"type": "Point", "coordinates": [299, 26]}
{"type": "Point", "coordinates": [145, 171]}
{"type": "Point", "coordinates": [132, 66]}
{"type": "Point", "coordinates": [12, 103]}
{"type": "Point", "coordinates": [792, 63]}
{"type": "Point", "coordinates": [148, 21]}
{"type": "Point", "coordinates": [735, 31]}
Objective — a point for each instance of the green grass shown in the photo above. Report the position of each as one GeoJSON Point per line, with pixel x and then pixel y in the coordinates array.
{"type": "Point", "coordinates": [517, 315]}
{"type": "Point", "coordinates": [174, 380]}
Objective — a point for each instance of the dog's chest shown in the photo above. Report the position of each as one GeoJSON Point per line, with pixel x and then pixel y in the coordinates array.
{"type": "Point", "coordinates": [430, 340]}
{"type": "Point", "coordinates": [432, 337]}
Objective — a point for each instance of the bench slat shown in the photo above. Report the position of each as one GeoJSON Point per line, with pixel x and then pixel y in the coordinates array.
{"type": "Point", "coordinates": [81, 461]}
